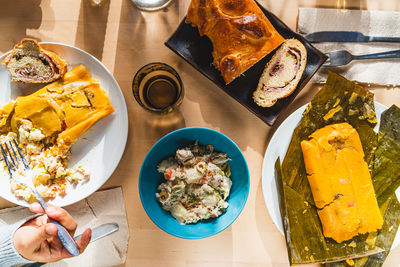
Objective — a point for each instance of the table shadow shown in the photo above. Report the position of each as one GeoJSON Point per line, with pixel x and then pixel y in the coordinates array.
{"type": "Point", "coordinates": [134, 49]}
{"type": "Point", "coordinates": [220, 111]}
{"type": "Point", "coordinates": [159, 125]}
{"type": "Point", "coordinates": [13, 27]}
{"type": "Point", "coordinates": [92, 25]}
{"type": "Point", "coordinates": [268, 231]}
{"type": "Point", "coordinates": [141, 38]}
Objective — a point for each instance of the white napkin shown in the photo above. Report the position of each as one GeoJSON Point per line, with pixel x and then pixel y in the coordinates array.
{"type": "Point", "coordinates": [102, 207]}
{"type": "Point", "coordinates": [372, 23]}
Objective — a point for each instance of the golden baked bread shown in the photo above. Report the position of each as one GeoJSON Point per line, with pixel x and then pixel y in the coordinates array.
{"type": "Point", "coordinates": [240, 33]}
{"type": "Point", "coordinates": [30, 63]}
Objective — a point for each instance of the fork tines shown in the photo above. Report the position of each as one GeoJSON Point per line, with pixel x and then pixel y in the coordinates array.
{"type": "Point", "coordinates": [10, 156]}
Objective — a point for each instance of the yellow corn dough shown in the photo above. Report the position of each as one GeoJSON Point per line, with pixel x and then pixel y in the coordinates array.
{"type": "Point", "coordinates": [64, 109]}
{"type": "Point", "coordinates": [340, 182]}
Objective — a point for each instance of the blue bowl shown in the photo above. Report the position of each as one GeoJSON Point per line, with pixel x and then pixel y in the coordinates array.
{"type": "Point", "coordinates": [149, 179]}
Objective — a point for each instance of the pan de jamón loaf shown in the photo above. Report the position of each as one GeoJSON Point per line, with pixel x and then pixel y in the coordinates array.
{"type": "Point", "coordinates": [240, 33]}
{"type": "Point", "coordinates": [281, 74]}
{"type": "Point", "coordinates": [30, 63]}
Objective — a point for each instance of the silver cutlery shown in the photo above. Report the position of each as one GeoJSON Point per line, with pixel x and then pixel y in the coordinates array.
{"type": "Point", "coordinates": [346, 36]}
{"type": "Point", "coordinates": [97, 233]}
{"type": "Point", "coordinates": [14, 160]}
{"type": "Point", "coordinates": [101, 231]}
{"type": "Point", "coordinates": [343, 57]}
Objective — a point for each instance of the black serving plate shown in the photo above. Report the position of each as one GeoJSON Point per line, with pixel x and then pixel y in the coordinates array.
{"type": "Point", "coordinates": [196, 50]}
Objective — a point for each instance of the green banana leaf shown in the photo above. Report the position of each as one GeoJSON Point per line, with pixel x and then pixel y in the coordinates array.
{"type": "Point", "coordinates": [386, 175]}
{"type": "Point", "coordinates": [338, 101]}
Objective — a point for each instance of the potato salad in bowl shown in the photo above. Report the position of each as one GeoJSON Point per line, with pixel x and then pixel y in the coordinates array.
{"type": "Point", "coordinates": [196, 183]}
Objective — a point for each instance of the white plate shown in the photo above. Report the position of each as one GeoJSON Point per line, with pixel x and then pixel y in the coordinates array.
{"type": "Point", "coordinates": [100, 149]}
{"type": "Point", "coordinates": [277, 148]}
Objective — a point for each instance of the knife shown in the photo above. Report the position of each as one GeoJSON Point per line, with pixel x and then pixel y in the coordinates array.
{"type": "Point", "coordinates": [97, 233]}
{"type": "Point", "coordinates": [101, 231]}
{"type": "Point", "coordinates": [346, 36]}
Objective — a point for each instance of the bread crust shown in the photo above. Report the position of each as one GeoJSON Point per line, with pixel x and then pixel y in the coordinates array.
{"type": "Point", "coordinates": [259, 95]}
{"type": "Point", "coordinates": [240, 33]}
{"type": "Point", "coordinates": [61, 64]}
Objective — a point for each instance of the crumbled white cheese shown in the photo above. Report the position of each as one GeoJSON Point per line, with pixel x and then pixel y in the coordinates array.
{"type": "Point", "coordinates": [48, 164]}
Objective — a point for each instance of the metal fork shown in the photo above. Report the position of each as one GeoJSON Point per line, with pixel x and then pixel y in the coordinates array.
{"type": "Point", "coordinates": [13, 158]}
{"type": "Point", "coordinates": [343, 57]}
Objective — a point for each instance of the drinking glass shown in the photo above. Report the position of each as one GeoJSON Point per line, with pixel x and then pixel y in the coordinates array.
{"type": "Point", "coordinates": [151, 5]}
{"type": "Point", "coordinates": [157, 87]}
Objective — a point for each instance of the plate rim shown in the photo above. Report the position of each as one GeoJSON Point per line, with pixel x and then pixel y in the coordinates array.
{"type": "Point", "coordinates": [123, 111]}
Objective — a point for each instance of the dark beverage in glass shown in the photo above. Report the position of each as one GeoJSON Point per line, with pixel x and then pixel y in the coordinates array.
{"type": "Point", "coordinates": [157, 87]}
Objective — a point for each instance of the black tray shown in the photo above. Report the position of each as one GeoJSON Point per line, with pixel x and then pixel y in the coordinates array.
{"type": "Point", "coordinates": [196, 50]}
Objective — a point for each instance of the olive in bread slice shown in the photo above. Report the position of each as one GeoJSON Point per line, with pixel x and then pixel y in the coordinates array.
{"type": "Point", "coordinates": [30, 63]}
{"type": "Point", "coordinates": [281, 74]}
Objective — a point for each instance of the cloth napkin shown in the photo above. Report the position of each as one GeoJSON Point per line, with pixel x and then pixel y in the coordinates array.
{"type": "Point", "coordinates": [102, 207]}
{"type": "Point", "coordinates": [372, 23]}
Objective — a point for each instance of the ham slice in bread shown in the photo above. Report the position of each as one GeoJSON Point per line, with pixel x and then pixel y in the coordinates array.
{"type": "Point", "coordinates": [30, 63]}
{"type": "Point", "coordinates": [281, 74]}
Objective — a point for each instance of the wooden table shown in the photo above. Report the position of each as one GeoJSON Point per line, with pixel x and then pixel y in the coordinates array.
{"type": "Point", "coordinates": [124, 39]}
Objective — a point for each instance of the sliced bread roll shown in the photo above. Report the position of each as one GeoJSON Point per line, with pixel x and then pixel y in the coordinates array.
{"type": "Point", "coordinates": [281, 74]}
{"type": "Point", "coordinates": [30, 63]}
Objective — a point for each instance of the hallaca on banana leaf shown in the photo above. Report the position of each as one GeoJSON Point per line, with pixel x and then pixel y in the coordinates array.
{"type": "Point", "coordinates": [338, 101]}
{"type": "Point", "coordinates": [303, 231]}
{"type": "Point", "coordinates": [386, 180]}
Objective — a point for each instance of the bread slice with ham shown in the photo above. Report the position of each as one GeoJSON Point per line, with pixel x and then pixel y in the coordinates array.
{"type": "Point", "coordinates": [281, 74]}
{"type": "Point", "coordinates": [29, 63]}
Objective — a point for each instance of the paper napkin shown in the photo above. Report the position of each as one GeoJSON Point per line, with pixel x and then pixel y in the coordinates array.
{"type": "Point", "coordinates": [373, 23]}
{"type": "Point", "coordinates": [102, 207]}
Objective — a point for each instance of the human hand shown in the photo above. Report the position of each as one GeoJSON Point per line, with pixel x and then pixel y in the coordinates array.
{"type": "Point", "coordinates": [37, 239]}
